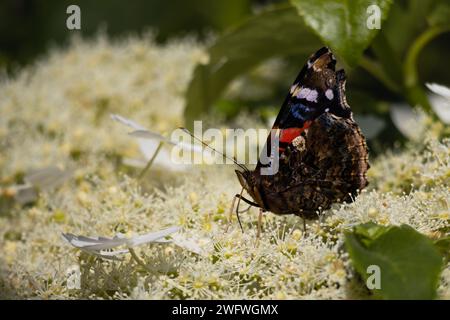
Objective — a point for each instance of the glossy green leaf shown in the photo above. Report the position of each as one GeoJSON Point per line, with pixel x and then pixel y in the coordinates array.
{"type": "Point", "coordinates": [409, 263]}
{"type": "Point", "coordinates": [342, 24]}
{"type": "Point", "coordinates": [274, 32]}
{"type": "Point", "coordinates": [443, 245]}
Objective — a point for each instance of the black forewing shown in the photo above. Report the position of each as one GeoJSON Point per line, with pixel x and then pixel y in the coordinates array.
{"type": "Point", "coordinates": [307, 99]}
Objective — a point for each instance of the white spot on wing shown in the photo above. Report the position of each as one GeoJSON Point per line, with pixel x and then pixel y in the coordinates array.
{"type": "Point", "coordinates": [329, 94]}
{"type": "Point", "coordinates": [308, 94]}
{"type": "Point", "coordinates": [312, 96]}
{"type": "Point", "coordinates": [303, 93]}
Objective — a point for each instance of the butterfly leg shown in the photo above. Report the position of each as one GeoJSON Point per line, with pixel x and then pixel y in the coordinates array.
{"type": "Point", "coordinates": [259, 223]}
{"type": "Point", "coordinates": [240, 197]}
{"type": "Point", "coordinates": [258, 233]}
{"type": "Point", "coordinates": [230, 215]}
{"type": "Point", "coordinates": [251, 203]}
{"type": "Point", "coordinates": [236, 196]}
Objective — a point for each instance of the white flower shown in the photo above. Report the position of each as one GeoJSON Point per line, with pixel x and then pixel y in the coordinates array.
{"type": "Point", "coordinates": [38, 180]}
{"type": "Point", "coordinates": [410, 122]}
{"type": "Point", "coordinates": [149, 142]}
{"type": "Point", "coordinates": [440, 101]}
{"type": "Point", "coordinates": [101, 246]}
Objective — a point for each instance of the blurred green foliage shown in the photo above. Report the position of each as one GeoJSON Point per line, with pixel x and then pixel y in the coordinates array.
{"type": "Point", "coordinates": [244, 47]}
{"type": "Point", "coordinates": [384, 66]}
{"type": "Point", "coordinates": [28, 27]}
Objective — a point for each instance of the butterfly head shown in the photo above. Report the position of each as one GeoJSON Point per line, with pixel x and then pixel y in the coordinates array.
{"type": "Point", "coordinates": [247, 179]}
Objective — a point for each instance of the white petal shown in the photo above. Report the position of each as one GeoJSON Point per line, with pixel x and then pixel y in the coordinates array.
{"type": "Point", "coordinates": [94, 243]}
{"type": "Point", "coordinates": [439, 89]}
{"type": "Point", "coordinates": [148, 143]}
{"type": "Point", "coordinates": [190, 147]}
{"type": "Point", "coordinates": [148, 147]}
{"type": "Point", "coordinates": [100, 246]}
{"type": "Point", "coordinates": [140, 131]}
{"type": "Point", "coordinates": [163, 159]}
{"type": "Point", "coordinates": [132, 162]}
{"type": "Point", "coordinates": [127, 122]}
{"type": "Point", "coordinates": [25, 193]}
{"type": "Point", "coordinates": [146, 134]}
{"type": "Point", "coordinates": [97, 245]}
{"type": "Point", "coordinates": [408, 121]}
{"type": "Point", "coordinates": [188, 244]}
{"type": "Point", "coordinates": [441, 106]}
{"type": "Point", "coordinates": [47, 178]}
{"type": "Point", "coordinates": [151, 237]}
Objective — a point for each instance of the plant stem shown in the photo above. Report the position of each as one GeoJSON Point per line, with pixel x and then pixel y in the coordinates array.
{"type": "Point", "coordinates": [410, 67]}
{"type": "Point", "coordinates": [413, 90]}
{"type": "Point", "coordinates": [150, 162]}
{"type": "Point", "coordinates": [137, 259]}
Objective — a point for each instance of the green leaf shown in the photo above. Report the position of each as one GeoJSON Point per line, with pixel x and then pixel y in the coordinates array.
{"type": "Point", "coordinates": [443, 245]}
{"type": "Point", "coordinates": [411, 16]}
{"type": "Point", "coordinates": [342, 25]}
{"type": "Point", "coordinates": [276, 32]}
{"type": "Point", "coordinates": [409, 262]}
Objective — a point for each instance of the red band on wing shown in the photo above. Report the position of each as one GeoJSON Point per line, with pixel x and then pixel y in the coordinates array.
{"type": "Point", "coordinates": [287, 135]}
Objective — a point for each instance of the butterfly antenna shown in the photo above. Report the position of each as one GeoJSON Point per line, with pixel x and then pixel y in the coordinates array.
{"type": "Point", "coordinates": [208, 146]}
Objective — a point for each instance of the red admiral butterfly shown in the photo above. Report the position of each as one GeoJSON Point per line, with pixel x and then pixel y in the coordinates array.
{"type": "Point", "coordinates": [322, 155]}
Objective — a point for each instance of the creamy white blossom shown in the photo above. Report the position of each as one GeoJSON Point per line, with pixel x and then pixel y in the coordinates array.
{"type": "Point", "coordinates": [55, 114]}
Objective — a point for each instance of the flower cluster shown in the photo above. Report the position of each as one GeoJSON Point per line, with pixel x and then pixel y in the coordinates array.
{"type": "Point", "coordinates": [57, 113]}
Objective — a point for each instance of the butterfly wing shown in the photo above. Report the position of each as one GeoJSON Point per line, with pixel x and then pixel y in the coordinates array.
{"type": "Point", "coordinates": [317, 88]}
